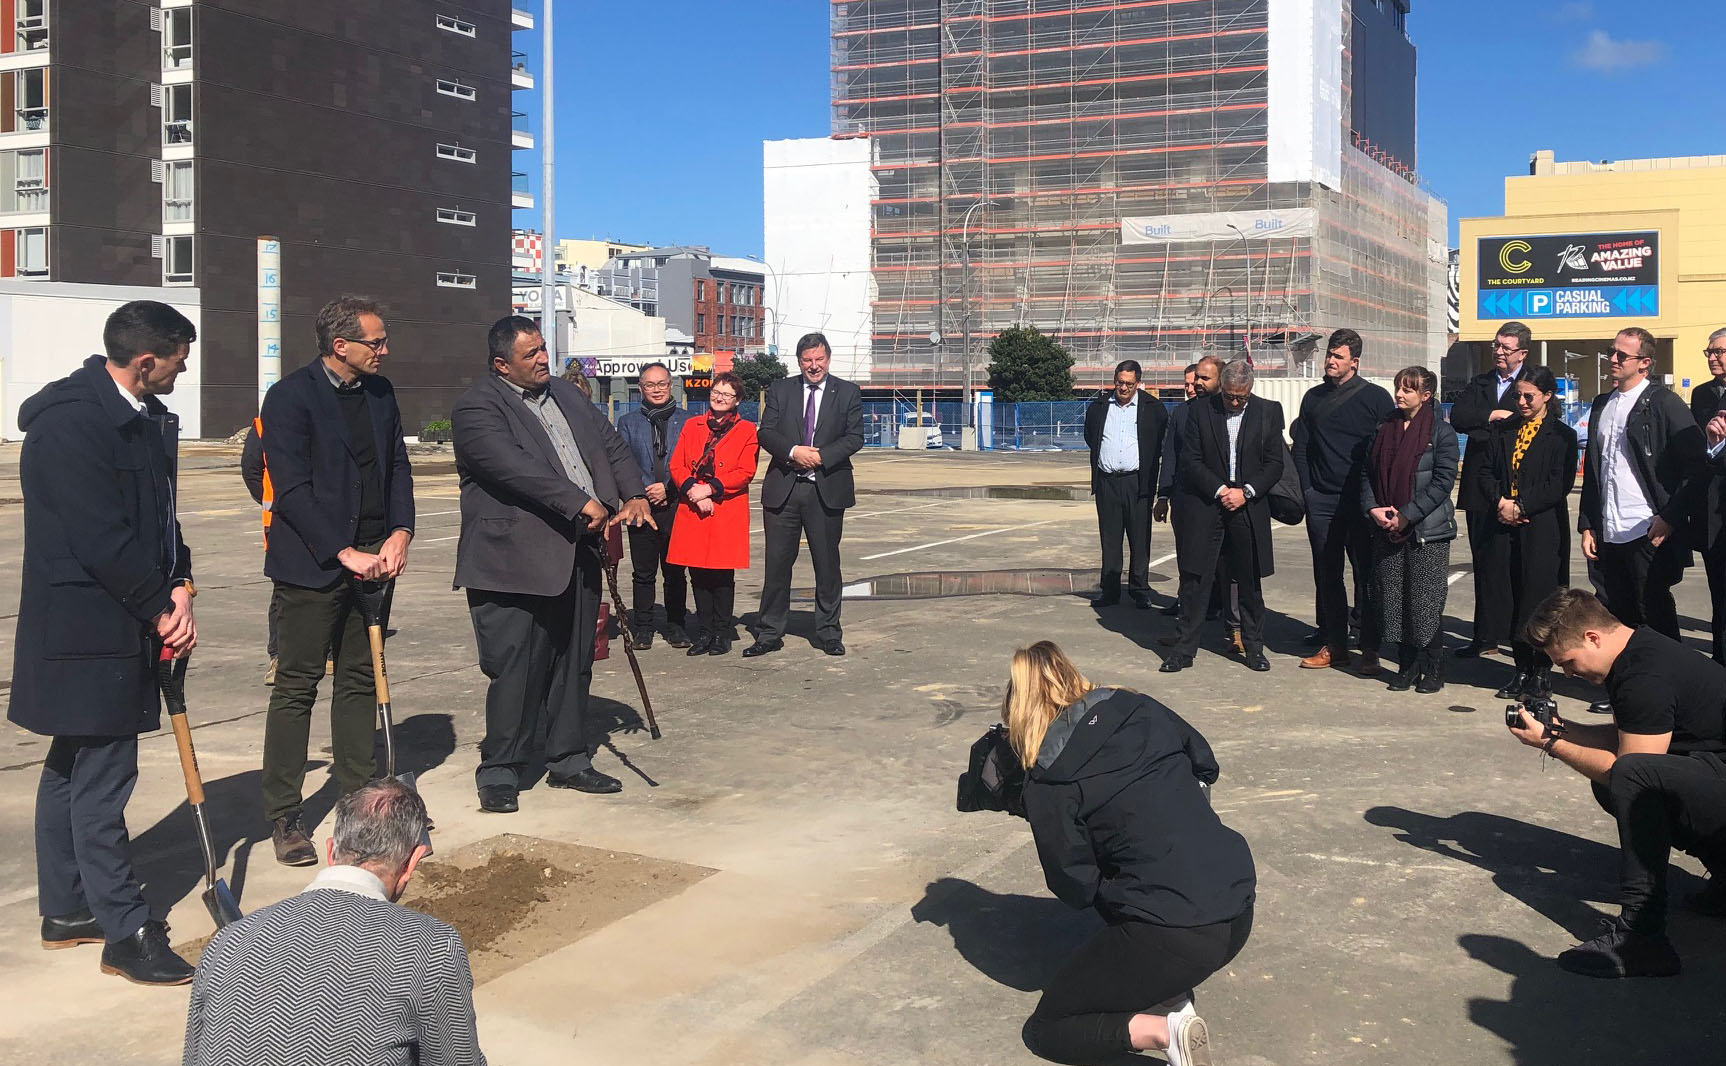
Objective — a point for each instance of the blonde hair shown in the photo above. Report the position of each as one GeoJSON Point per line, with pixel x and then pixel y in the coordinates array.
{"type": "Point", "coordinates": [1042, 683]}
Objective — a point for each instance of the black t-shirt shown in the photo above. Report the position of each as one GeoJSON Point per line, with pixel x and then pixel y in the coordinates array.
{"type": "Point", "coordinates": [1657, 685]}
{"type": "Point", "coordinates": [373, 523]}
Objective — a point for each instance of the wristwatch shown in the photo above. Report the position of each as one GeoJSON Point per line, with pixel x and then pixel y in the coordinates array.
{"type": "Point", "coordinates": [191, 589]}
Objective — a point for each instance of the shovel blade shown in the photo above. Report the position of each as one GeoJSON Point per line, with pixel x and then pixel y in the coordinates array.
{"type": "Point", "coordinates": [224, 908]}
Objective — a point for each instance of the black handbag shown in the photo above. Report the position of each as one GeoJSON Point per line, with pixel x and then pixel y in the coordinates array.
{"type": "Point", "coordinates": [994, 780]}
{"type": "Point", "coordinates": [1287, 501]}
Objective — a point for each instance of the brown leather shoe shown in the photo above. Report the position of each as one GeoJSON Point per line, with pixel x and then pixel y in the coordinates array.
{"type": "Point", "coordinates": [1324, 660]}
{"type": "Point", "coordinates": [294, 846]}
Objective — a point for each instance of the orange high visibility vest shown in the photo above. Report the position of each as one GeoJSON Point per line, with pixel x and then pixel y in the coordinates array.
{"type": "Point", "coordinates": [269, 490]}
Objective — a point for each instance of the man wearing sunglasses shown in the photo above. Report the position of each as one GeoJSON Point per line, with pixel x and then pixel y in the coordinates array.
{"type": "Point", "coordinates": [344, 509]}
{"type": "Point", "coordinates": [1640, 476]}
{"type": "Point", "coordinates": [1708, 407]}
{"type": "Point", "coordinates": [1481, 411]}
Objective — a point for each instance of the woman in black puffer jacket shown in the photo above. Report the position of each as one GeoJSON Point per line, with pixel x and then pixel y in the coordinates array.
{"type": "Point", "coordinates": [1410, 470]}
{"type": "Point", "coordinates": [1117, 797]}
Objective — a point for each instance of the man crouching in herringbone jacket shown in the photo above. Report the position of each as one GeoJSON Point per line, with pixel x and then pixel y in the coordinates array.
{"type": "Point", "coordinates": [339, 975]}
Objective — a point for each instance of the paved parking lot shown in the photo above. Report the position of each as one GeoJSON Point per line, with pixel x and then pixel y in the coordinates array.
{"type": "Point", "coordinates": [1418, 869]}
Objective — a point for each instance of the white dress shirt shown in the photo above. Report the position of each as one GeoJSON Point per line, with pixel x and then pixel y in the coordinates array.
{"type": "Point", "coordinates": [1119, 453]}
{"type": "Point", "coordinates": [1625, 511]}
{"type": "Point", "coordinates": [356, 879]}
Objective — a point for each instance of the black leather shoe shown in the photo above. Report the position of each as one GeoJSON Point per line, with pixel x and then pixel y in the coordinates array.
{"type": "Point", "coordinates": [1475, 650]}
{"type": "Point", "coordinates": [720, 645]}
{"type": "Point", "coordinates": [1108, 599]}
{"type": "Point", "coordinates": [1603, 707]}
{"type": "Point", "coordinates": [678, 637]}
{"type": "Point", "coordinates": [144, 958]}
{"type": "Point", "coordinates": [1142, 600]}
{"type": "Point", "coordinates": [588, 780]}
{"type": "Point", "coordinates": [1257, 662]}
{"type": "Point", "coordinates": [1619, 952]}
{"type": "Point", "coordinates": [1513, 688]}
{"type": "Point", "coordinates": [701, 645]}
{"type": "Point", "coordinates": [833, 647]}
{"type": "Point", "coordinates": [1172, 610]}
{"type": "Point", "coordinates": [70, 930]}
{"type": "Point", "coordinates": [762, 647]}
{"type": "Point", "coordinates": [498, 799]}
{"type": "Point", "coordinates": [643, 638]}
{"type": "Point", "coordinates": [1174, 664]}
{"type": "Point", "coordinates": [1404, 679]}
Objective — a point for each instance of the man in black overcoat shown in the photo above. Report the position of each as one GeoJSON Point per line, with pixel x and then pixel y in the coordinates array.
{"type": "Point", "coordinates": [107, 583]}
{"type": "Point", "coordinates": [1232, 455]}
{"type": "Point", "coordinates": [1124, 429]}
{"type": "Point", "coordinates": [1707, 404]}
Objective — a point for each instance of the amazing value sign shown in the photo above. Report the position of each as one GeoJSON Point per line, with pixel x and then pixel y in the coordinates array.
{"type": "Point", "coordinates": [1570, 275]}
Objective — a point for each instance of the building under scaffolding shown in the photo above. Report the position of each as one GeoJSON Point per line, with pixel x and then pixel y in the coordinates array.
{"type": "Point", "coordinates": [1148, 180]}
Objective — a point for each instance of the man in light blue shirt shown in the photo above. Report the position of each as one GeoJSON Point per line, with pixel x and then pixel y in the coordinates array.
{"type": "Point", "coordinates": [1125, 429]}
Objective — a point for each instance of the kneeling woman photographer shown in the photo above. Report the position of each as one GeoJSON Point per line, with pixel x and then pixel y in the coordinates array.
{"type": "Point", "coordinates": [1113, 794]}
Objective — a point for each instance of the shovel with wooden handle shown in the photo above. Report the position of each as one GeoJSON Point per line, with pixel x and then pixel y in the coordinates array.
{"type": "Point", "coordinates": [171, 678]}
{"type": "Point", "coordinates": [369, 598]}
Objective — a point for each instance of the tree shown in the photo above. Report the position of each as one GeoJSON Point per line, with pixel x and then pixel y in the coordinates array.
{"type": "Point", "coordinates": [1027, 365]}
{"type": "Point", "coordinates": [758, 371]}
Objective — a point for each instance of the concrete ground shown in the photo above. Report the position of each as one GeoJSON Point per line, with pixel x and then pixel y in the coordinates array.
{"type": "Point", "coordinates": [1417, 868]}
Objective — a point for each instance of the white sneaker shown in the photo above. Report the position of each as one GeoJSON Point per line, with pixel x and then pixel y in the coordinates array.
{"type": "Point", "coordinates": [1189, 1039]}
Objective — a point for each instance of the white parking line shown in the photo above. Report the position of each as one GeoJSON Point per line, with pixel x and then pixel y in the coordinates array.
{"type": "Point", "coordinates": [902, 510]}
{"type": "Point", "coordinates": [956, 540]}
{"type": "Point", "coordinates": [1454, 578]}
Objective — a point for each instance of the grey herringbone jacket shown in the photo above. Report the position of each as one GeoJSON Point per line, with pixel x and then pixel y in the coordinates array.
{"type": "Point", "coordinates": [336, 976]}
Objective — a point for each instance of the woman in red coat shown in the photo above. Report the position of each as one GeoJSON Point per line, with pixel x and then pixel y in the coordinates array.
{"type": "Point", "coordinates": [713, 466]}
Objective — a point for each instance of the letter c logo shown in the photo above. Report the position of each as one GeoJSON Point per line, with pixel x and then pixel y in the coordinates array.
{"type": "Point", "coordinates": [1512, 257]}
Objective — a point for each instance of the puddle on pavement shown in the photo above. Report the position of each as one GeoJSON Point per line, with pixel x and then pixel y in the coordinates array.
{"type": "Point", "coordinates": [938, 584]}
{"type": "Point", "coordinates": [1065, 493]}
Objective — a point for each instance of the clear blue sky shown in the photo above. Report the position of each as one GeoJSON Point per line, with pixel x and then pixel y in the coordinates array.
{"type": "Point", "coordinates": [663, 104]}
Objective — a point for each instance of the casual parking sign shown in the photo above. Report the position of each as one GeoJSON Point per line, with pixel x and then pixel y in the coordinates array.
{"type": "Point", "coordinates": [1570, 275]}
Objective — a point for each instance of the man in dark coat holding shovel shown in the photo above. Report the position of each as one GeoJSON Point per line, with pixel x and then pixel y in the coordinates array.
{"type": "Point", "coordinates": [107, 581]}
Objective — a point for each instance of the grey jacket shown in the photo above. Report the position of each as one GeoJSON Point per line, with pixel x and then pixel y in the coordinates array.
{"type": "Point", "coordinates": [1431, 512]}
{"type": "Point", "coordinates": [520, 524]}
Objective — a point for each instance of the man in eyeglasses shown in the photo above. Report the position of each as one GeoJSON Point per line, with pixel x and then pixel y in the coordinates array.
{"type": "Point", "coordinates": [1480, 412]}
{"type": "Point", "coordinates": [1642, 469]}
{"type": "Point", "coordinates": [1708, 406]}
{"type": "Point", "coordinates": [1124, 429]}
{"type": "Point", "coordinates": [652, 431]}
{"type": "Point", "coordinates": [343, 510]}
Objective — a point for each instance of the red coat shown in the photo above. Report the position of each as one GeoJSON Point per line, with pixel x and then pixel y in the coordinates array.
{"type": "Point", "coordinates": [719, 541]}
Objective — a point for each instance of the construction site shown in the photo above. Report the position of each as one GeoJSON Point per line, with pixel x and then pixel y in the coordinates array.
{"type": "Point", "coordinates": [1150, 180]}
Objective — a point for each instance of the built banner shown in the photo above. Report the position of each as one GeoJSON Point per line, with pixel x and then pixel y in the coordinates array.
{"type": "Point", "coordinates": [1221, 226]}
{"type": "Point", "coordinates": [1570, 275]}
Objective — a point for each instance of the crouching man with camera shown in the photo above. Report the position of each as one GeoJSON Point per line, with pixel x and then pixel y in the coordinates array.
{"type": "Point", "coordinates": [1656, 768]}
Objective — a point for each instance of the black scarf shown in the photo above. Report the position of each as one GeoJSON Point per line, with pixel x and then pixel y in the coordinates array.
{"type": "Point", "coordinates": [659, 418]}
{"type": "Point", "coordinates": [717, 427]}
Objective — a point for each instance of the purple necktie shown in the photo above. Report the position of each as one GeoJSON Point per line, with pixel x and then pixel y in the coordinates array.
{"type": "Point", "coordinates": [809, 417]}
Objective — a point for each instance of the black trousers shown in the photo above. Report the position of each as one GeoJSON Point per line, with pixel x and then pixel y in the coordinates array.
{"type": "Point", "coordinates": [1126, 969]}
{"type": "Point", "coordinates": [647, 548]}
{"type": "Point", "coordinates": [1492, 607]}
{"type": "Point", "coordinates": [803, 514]}
{"type": "Point", "coordinates": [1337, 533]}
{"type": "Point", "coordinates": [1121, 510]}
{"type": "Point", "coordinates": [83, 852]}
{"type": "Point", "coordinates": [1714, 561]}
{"type": "Point", "coordinates": [315, 624]}
{"type": "Point", "coordinates": [1639, 579]}
{"type": "Point", "coordinates": [1661, 802]}
{"type": "Point", "coordinates": [1232, 544]}
{"type": "Point", "coordinates": [537, 653]}
{"type": "Point", "coordinates": [275, 620]}
{"type": "Point", "coordinates": [715, 599]}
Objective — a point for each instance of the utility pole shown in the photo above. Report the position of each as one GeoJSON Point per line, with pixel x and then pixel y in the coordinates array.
{"type": "Point", "coordinates": [548, 159]}
{"type": "Point", "coordinates": [965, 299]}
{"type": "Point", "coordinates": [1248, 249]}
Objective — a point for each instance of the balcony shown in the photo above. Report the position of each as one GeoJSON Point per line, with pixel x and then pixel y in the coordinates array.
{"type": "Point", "coordinates": [177, 131]}
{"type": "Point", "coordinates": [177, 57]}
{"type": "Point", "coordinates": [518, 74]}
{"type": "Point", "coordinates": [519, 138]}
{"type": "Point", "coordinates": [29, 196]}
{"type": "Point", "coordinates": [30, 120]}
{"type": "Point", "coordinates": [519, 195]}
{"type": "Point", "coordinates": [519, 19]}
{"type": "Point", "coordinates": [32, 27]}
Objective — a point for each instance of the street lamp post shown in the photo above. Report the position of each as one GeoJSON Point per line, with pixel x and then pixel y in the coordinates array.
{"type": "Point", "coordinates": [1247, 248]}
{"type": "Point", "coordinates": [548, 159]}
{"type": "Point", "coordinates": [965, 298]}
{"type": "Point", "coordinates": [772, 312]}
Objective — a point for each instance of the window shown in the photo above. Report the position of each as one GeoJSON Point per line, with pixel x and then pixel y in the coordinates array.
{"type": "Point", "coordinates": [32, 253]}
{"type": "Point", "coordinates": [457, 218]}
{"type": "Point", "coordinates": [455, 25]}
{"type": "Point", "coordinates": [28, 89]}
{"type": "Point", "coordinates": [24, 181]}
{"type": "Point", "coordinates": [176, 114]}
{"type": "Point", "coordinates": [177, 201]}
{"type": "Point", "coordinates": [700, 321]}
{"type": "Point", "coordinates": [177, 38]}
{"type": "Point", "coordinates": [450, 280]}
{"type": "Point", "coordinates": [32, 25]}
{"type": "Point", "coordinates": [177, 260]}
{"type": "Point", "coordinates": [700, 290]}
{"type": "Point", "coordinates": [456, 89]}
{"type": "Point", "coordinates": [456, 152]}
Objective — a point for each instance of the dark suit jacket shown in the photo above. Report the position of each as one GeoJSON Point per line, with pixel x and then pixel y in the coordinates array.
{"type": "Point", "coordinates": [838, 436]}
{"type": "Point", "coordinates": [1153, 424]}
{"type": "Point", "coordinates": [1543, 488]}
{"type": "Point", "coordinates": [520, 513]}
{"type": "Point", "coordinates": [102, 552]}
{"type": "Point", "coordinates": [1706, 400]}
{"type": "Point", "coordinates": [1470, 415]}
{"type": "Point", "coordinates": [316, 479]}
{"type": "Point", "coordinates": [1205, 469]}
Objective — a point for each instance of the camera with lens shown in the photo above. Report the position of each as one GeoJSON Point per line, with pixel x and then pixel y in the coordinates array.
{"type": "Point", "coordinates": [1543, 709]}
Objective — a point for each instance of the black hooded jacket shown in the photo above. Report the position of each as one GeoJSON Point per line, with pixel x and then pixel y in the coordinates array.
{"type": "Point", "coordinates": [1121, 823]}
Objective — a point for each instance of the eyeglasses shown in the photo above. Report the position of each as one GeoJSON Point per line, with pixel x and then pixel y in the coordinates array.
{"type": "Point", "coordinates": [656, 385]}
{"type": "Point", "coordinates": [1714, 353]}
{"type": "Point", "coordinates": [1234, 400]}
{"type": "Point", "coordinates": [1625, 357]}
{"type": "Point", "coordinates": [1129, 383]}
{"type": "Point", "coordinates": [1507, 351]}
{"type": "Point", "coordinates": [721, 395]}
{"type": "Point", "coordinates": [376, 346]}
